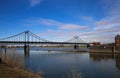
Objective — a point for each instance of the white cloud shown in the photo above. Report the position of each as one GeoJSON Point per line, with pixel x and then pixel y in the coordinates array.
{"type": "Point", "coordinates": [107, 23]}
{"type": "Point", "coordinates": [92, 34]}
{"type": "Point", "coordinates": [49, 22]}
{"type": "Point", "coordinates": [61, 25]}
{"type": "Point", "coordinates": [73, 27]}
{"type": "Point", "coordinates": [100, 31]}
{"type": "Point", "coordinates": [34, 2]}
{"type": "Point", "coordinates": [109, 26]}
{"type": "Point", "coordinates": [58, 35]}
{"type": "Point", "coordinates": [103, 38]}
{"type": "Point", "coordinates": [100, 35]}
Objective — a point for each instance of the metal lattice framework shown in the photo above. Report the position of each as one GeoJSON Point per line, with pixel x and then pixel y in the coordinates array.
{"type": "Point", "coordinates": [76, 39]}
{"type": "Point", "coordinates": [25, 36]}
{"type": "Point", "coordinates": [28, 37]}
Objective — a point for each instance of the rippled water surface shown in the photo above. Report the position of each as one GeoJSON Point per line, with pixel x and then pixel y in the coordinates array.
{"type": "Point", "coordinates": [61, 64]}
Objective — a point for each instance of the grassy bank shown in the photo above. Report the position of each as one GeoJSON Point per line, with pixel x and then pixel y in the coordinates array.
{"type": "Point", "coordinates": [12, 66]}
{"type": "Point", "coordinates": [15, 72]}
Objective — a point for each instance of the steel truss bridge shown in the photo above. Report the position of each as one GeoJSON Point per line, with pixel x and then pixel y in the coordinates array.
{"type": "Point", "coordinates": [30, 38]}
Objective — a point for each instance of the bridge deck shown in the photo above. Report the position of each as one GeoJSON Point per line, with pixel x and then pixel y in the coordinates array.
{"type": "Point", "coordinates": [23, 42]}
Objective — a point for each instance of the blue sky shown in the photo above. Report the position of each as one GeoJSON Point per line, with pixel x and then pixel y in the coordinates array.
{"type": "Point", "coordinates": [60, 20]}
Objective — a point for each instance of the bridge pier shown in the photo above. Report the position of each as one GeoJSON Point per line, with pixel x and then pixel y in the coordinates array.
{"type": "Point", "coordinates": [26, 54]}
{"type": "Point", "coordinates": [26, 51]}
{"type": "Point", "coordinates": [76, 46]}
{"type": "Point", "coordinates": [0, 60]}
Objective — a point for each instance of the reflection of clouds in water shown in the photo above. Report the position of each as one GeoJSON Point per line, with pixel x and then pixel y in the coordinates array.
{"type": "Point", "coordinates": [74, 74]}
{"type": "Point", "coordinates": [48, 53]}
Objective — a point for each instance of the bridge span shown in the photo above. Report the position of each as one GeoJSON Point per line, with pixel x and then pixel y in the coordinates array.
{"type": "Point", "coordinates": [27, 39]}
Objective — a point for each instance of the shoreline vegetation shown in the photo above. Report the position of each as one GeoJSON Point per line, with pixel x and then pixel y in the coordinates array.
{"type": "Point", "coordinates": [7, 71]}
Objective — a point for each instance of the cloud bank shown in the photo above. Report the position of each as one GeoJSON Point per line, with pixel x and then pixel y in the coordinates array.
{"type": "Point", "coordinates": [103, 29]}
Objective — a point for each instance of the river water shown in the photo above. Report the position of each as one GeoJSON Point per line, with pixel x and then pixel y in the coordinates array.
{"type": "Point", "coordinates": [64, 64]}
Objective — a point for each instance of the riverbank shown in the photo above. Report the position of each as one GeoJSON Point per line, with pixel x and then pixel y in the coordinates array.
{"type": "Point", "coordinates": [15, 72]}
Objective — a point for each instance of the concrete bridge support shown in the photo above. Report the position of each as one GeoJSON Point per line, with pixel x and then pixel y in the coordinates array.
{"type": "Point", "coordinates": [26, 54]}
{"type": "Point", "coordinates": [0, 60]}
{"type": "Point", "coordinates": [26, 51]}
{"type": "Point", "coordinates": [76, 46]}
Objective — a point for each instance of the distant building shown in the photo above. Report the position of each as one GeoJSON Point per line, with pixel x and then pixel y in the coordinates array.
{"type": "Point", "coordinates": [117, 40]}
{"type": "Point", "coordinates": [96, 43]}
